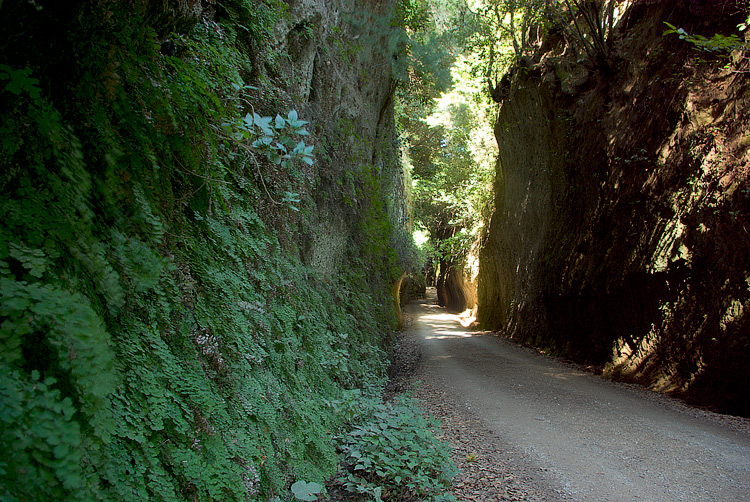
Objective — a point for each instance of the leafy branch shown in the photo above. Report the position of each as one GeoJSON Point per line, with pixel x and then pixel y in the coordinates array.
{"type": "Point", "coordinates": [275, 138]}
{"type": "Point", "coordinates": [717, 43]}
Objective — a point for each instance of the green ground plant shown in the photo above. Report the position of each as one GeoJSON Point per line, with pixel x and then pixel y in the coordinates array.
{"type": "Point", "coordinates": [394, 455]}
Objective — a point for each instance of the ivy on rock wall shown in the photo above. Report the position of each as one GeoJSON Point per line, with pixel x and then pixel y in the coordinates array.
{"type": "Point", "coordinates": [163, 335]}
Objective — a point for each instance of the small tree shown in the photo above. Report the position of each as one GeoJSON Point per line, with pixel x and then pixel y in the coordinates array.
{"type": "Point", "coordinates": [594, 23]}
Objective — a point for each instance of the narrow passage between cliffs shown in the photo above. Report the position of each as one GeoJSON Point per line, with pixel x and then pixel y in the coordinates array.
{"type": "Point", "coordinates": [534, 428]}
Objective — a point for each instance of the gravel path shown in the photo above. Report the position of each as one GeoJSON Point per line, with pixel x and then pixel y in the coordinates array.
{"type": "Point", "coordinates": [527, 427]}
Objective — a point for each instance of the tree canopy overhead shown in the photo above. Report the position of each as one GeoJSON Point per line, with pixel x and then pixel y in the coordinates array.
{"type": "Point", "coordinates": [444, 121]}
{"type": "Point", "coordinates": [458, 60]}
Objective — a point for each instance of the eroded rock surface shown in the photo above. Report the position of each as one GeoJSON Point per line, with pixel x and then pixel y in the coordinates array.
{"type": "Point", "coordinates": [620, 236]}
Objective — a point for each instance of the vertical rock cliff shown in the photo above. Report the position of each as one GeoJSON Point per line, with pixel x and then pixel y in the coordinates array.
{"type": "Point", "coordinates": [191, 299]}
{"type": "Point", "coordinates": [620, 236]}
{"type": "Point", "coordinates": [338, 63]}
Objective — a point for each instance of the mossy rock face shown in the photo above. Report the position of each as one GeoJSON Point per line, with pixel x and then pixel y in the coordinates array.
{"type": "Point", "coordinates": [169, 330]}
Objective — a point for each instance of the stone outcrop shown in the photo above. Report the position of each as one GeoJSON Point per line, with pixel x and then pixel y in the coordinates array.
{"type": "Point", "coordinates": [457, 289]}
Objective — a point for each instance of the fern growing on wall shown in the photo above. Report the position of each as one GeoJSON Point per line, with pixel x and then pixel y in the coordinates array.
{"type": "Point", "coordinates": [159, 342]}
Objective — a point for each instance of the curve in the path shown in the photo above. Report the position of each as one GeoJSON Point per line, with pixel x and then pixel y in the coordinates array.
{"type": "Point", "coordinates": [598, 440]}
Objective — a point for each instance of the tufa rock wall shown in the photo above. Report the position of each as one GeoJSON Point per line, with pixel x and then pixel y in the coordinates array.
{"type": "Point", "coordinates": [621, 231]}
{"type": "Point", "coordinates": [176, 304]}
{"type": "Point", "coordinates": [457, 286]}
{"type": "Point", "coordinates": [337, 69]}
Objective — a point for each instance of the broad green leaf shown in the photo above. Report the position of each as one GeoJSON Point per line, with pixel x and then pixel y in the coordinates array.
{"type": "Point", "coordinates": [264, 123]}
{"type": "Point", "coordinates": [303, 490]}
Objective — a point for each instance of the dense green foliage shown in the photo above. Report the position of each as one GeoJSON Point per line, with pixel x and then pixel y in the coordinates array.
{"type": "Point", "coordinates": [162, 337]}
{"type": "Point", "coordinates": [395, 455]}
{"type": "Point", "coordinates": [717, 43]}
{"type": "Point", "coordinates": [445, 127]}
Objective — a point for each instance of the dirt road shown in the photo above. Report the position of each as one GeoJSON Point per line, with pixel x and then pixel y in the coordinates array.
{"type": "Point", "coordinates": [582, 437]}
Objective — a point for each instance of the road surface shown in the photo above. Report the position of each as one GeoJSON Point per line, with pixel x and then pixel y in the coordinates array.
{"type": "Point", "coordinates": [592, 439]}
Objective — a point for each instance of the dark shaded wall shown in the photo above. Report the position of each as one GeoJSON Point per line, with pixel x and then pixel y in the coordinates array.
{"type": "Point", "coordinates": [620, 234]}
